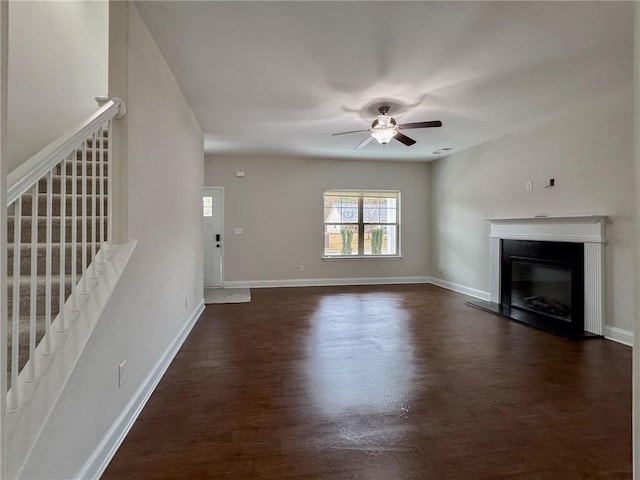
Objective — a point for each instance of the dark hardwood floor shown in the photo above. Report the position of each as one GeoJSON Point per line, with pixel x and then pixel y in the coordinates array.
{"type": "Point", "coordinates": [381, 383]}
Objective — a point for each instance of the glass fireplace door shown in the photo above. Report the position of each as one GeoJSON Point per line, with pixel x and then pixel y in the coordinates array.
{"type": "Point", "coordinates": [541, 287]}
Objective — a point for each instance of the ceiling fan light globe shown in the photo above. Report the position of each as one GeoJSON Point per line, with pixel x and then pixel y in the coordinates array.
{"type": "Point", "coordinates": [384, 134]}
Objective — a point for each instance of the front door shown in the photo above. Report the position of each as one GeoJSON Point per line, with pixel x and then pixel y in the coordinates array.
{"type": "Point", "coordinates": [212, 216]}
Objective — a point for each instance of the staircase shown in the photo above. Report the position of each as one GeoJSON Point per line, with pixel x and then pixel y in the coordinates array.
{"type": "Point", "coordinates": [61, 270]}
{"type": "Point", "coordinates": [62, 253]}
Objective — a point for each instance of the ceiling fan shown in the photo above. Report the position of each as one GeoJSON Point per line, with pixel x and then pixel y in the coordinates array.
{"type": "Point", "coordinates": [384, 128]}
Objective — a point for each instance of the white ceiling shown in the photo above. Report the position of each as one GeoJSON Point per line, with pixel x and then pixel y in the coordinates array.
{"type": "Point", "coordinates": [281, 77]}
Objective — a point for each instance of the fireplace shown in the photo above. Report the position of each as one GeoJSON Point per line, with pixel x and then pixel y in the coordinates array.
{"type": "Point", "coordinates": [543, 284]}
{"type": "Point", "coordinates": [548, 272]}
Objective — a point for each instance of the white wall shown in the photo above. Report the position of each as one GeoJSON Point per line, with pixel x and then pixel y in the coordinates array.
{"type": "Point", "coordinates": [280, 207]}
{"type": "Point", "coordinates": [588, 152]}
{"type": "Point", "coordinates": [58, 53]}
{"type": "Point", "coordinates": [147, 309]}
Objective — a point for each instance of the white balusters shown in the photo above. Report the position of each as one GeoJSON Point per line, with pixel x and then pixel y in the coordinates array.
{"type": "Point", "coordinates": [33, 292]}
{"type": "Point", "coordinates": [39, 276]}
{"type": "Point", "coordinates": [94, 155]}
{"type": "Point", "coordinates": [110, 185]}
{"type": "Point", "coordinates": [86, 169]}
{"type": "Point", "coordinates": [85, 285]}
{"type": "Point", "coordinates": [63, 251]}
{"type": "Point", "coordinates": [48, 248]}
{"type": "Point", "coordinates": [74, 230]}
{"type": "Point", "coordinates": [15, 317]}
{"type": "Point", "coordinates": [101, 178]}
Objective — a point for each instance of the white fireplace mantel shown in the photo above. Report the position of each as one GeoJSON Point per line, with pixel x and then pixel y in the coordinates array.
{"type": "Point", "coordinates": [586, 229]}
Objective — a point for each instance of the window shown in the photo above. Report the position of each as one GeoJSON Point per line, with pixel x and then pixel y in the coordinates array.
{"type": "Point", "coordinates": [361, 224]}
{"type": "Point", "coordinates": [207, 206]}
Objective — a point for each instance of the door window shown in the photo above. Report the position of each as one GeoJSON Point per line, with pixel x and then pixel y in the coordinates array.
{"type": "Point", "coordinates": [207, 206]}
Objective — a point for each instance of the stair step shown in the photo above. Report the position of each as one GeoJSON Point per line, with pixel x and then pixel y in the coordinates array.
{"type": "Point", "coordinates": [25, 258]}
{"type": "Point", "coordinates": [57, 182]}
{"type": "Point", "coordinates": [100, 142]}
{"type": "Point", "coordinates": [27, 200]}
{"type": "Point", "coordinates": [89, 165]}
{"type": "Point", "coordinates": [25, 293]}
{"type": "Point", "coordinates": [55, 229]}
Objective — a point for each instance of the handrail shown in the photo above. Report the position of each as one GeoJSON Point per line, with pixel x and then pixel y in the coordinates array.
{"type": "Point", "coordinates": [22, 178]}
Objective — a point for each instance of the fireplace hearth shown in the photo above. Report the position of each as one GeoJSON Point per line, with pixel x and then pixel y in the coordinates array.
{"type": "Point", "coordinates": [546, 272]}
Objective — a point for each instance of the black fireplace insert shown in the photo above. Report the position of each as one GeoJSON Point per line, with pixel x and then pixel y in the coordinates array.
{"type": "Point", "coordinates": [542, 285]}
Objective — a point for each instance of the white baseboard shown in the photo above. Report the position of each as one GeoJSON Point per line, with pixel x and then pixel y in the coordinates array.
{"type": "Point", "coordinates": [618, 335]}
{"type": "Point", "coordinates": [325, 282]}
{"type": "Point", "coordinates": [99, 460]}
{"type": "Point", "coordinates": [328, 282]}
{"type": "Point", "coordinates": [456, 287]}
{"type": "Point", "coordinates": [611, 333]}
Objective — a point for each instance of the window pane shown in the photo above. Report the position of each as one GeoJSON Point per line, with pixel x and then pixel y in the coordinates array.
{"type": "Point", "coordinates": [388, 215]}
{"type": "Point", "coordinates": [340, 209]}
{"type": "Point", "coordinates": [380, 240]}
{"type": "Point", "coordinates": [207, 206]}
{"type": "Point", "coordinates": [340, 240]}
{"type": "Point", "coordinates": [380, 210]}
{"type": "Point", "coordinates": [329, 207]}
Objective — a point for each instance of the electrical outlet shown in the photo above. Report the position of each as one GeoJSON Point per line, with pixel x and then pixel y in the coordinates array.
{"type": "Point", "coordinates": [122, 373]}
{"type": "Point", "coordinates": [301, 268]}
{"type": "Point", "coordinates": [529, 185]}
{"type": "Point", "coordinates": [439, 268]}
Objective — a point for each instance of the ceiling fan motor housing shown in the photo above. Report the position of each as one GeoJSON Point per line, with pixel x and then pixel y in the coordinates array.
{"type": "Point", "coordinates": [384, 121]}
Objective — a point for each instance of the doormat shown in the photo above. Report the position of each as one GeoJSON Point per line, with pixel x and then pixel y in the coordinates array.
{"type": "Point", "coordinates": [226, 295]}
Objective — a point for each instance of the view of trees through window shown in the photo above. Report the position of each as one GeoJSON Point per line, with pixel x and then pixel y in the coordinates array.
{"type": "Point", "coordinates": [360, 223]}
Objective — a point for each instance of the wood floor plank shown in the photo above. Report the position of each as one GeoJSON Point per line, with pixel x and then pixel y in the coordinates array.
{"type": "Point", "coordinates": [381, 382]}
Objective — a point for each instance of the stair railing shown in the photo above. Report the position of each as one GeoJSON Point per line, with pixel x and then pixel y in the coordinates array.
{"type": "Point", "coordinates": [79, 164]}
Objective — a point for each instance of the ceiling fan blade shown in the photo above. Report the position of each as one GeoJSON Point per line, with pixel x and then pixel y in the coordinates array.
{"type": "Point", "coordinates": [435, 123]}
{"type": "Point", "coordinates": [404, 139]}
{"type": "Point", "coordinates": [363, 143]}
{"type": "Point", "coordinates": [352, 131]}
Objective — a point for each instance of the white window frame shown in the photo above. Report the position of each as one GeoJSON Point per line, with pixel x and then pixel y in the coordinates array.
{"type": "Point", "coordinates": [361, 224]}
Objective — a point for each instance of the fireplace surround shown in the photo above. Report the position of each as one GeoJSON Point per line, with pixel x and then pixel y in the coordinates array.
{"type": "Point", "coordinates": [568, 254]}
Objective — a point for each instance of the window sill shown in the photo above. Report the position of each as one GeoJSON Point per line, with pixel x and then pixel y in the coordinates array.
{"type": "Point", "coordinates": [363, 257]}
